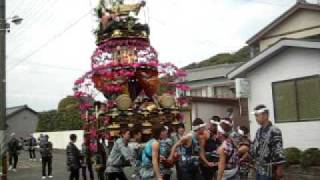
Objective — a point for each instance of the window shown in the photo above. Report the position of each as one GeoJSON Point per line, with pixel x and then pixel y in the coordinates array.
{"type": "Point", "coordinates": [196, 92]}
{"type": "Point", "coordinates": [297, 99]}
{"type": "Point", "coordinates": [199, 92]}
{"type": "Point", "coordinates": [223, 92]}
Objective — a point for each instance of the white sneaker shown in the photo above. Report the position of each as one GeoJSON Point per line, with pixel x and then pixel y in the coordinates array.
{"type": "Point", "coordinates": [50, 176]}
{"type": "Point", "coordinates": [10, 168]}
{"type": "Point", "coordinates": [14, 170]}
{"type": "Point", "coordinates": [43, 177]}
{"type": "Point", "coordinates": [34, 159]}
{"type": "Point", "coordinates": [30, 159]}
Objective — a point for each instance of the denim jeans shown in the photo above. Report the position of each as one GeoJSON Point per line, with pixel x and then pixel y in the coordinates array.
{"type": "Point", "coordinates": [263, 177]}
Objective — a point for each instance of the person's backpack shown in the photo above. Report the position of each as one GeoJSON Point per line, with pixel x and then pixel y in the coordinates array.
{"type": "Point", "coordinates": [33, 142]}
{"type": "Point", "coordinates": [19, 145]}
{"type": "Point", "coordinates": [46, 149]}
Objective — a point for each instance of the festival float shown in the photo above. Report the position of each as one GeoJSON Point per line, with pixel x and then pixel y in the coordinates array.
{"type": "Point", "coordinates": [137, 89]}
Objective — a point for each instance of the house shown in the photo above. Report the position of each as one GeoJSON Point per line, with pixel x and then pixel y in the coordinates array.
{"type": "Point", "coordinates": [212, 93]}
{"type": "Point", "coordinates": [21, 120]}
{"type": "Point", "coordinates": [299, 22]}
{"type": "Point", "coordinates": [285, 75]}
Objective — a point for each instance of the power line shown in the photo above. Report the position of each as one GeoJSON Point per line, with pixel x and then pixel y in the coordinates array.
{"type": "Point", "coordinates": [57, 67]}
{"type": "Point", "coordinates": [35, 15]}
{"type": "Point", "coordinates": [21, 38]}
{"type": "Point", "coordinates": [16, 7]}
{"type": "Point", "coordinates": [269, 3]}
{"type": "Point", "coordinates": [49, 41]}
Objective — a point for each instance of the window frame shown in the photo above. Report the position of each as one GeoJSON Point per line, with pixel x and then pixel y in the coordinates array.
{"type": "Point", "coordinates": [299, 119]}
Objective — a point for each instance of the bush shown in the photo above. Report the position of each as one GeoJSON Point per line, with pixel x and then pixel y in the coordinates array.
{"type": "Point", "coordinates": [293, 155]}
{"type": "Point", "coordinates": [310, 157]}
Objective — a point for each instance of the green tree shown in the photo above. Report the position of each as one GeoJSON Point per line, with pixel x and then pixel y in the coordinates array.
{"type": "Point", "coordinates": [70, 120]}
{"type": "Point", "coordinates": [48, 120]}
{"type": "Point", "coordinates": [242, 55]}
{"type": "Point", "coordinates": [67, 117]}
{"type": "Point", "coordinates": [68, 103]}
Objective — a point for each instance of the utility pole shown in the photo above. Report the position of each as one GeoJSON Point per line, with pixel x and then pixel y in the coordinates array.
{"type": "Point", "coordinates": [3, 27]}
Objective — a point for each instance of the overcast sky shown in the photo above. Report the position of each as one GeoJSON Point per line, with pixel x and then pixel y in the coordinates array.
{"type": "Point", "coordinates": [53, 45]}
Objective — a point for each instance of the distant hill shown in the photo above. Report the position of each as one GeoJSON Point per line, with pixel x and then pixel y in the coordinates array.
{"type": "Point", "coordinates": [242, 55]}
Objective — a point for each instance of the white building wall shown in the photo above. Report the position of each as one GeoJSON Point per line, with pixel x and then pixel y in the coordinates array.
{"type": "Point", "coordinates": [205, 110]}
{"type": "Point", "coordinates": [301, 20]}
{"type": "Point", "coordinates": [60, 139]}
{"type": "Point", "coordinates": [291, 63]}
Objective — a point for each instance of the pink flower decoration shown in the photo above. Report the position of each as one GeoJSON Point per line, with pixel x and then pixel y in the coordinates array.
{"type": "Point", "coordinates": [106, 120]}
{"type": "Point", "coordinates": [79, 81]}
{"type": "Point", "coordinates": [153, 63]}
{"type": "Point", "coordinates": [92, 118]}
{"type": "Point", "coordinates": [122, 72]}
{"type": "Point", "coordinates": [93, 147]}
{"type": "Point", "coordinates": [93, 133]}
{"type": "Point", "coordinates": [110, 104]}
{"type": "Point", "coordinates": [83, 116]}
{"type": "Point", "coordinates": [129, 73]}
{"type": "Point", "coordinates": [136, 65]}
{"type": "Point", "coordinates": [183, 87]}
{"type": "Point", "coordinates": [180, 73]}
{"type": "Point", "coordinates": [180, 117]}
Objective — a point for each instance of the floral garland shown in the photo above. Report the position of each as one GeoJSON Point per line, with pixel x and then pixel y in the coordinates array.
{"type": "Point", "coordinates": [110, 77]}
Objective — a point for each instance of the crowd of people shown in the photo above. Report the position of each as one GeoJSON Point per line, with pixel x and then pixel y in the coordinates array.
{"type": "Point", "coordinates": [214, 150]}
{"type": "Point", "coordinates": [30, 144]}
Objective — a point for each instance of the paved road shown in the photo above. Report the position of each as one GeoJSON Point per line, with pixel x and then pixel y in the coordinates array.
{"type": "Point", "coordinates": [29, 170]}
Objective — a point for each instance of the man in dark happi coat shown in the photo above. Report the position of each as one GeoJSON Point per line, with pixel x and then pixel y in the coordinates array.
{"type": "Point", "coordinates": [267, 148]}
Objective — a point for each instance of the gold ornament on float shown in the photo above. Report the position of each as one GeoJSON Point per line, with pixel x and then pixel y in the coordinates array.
{"type": "Point", "coordinates": [123, 102]}
{"type": "Point", "coordinates": [166, 101]}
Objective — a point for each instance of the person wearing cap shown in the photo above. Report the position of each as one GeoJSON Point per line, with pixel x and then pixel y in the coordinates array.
{"type": "Point", "coordinates": [228, 165]}
{"type": "Point", "coordinates": [189, 151]}
{"type": "Point", "coordinates": [208, 151]}
{"type": "Point", "coordinates": [267, 147]}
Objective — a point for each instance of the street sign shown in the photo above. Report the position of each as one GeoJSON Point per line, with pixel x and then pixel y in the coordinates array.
{"type": "Point", "coordinates": [242, 88]}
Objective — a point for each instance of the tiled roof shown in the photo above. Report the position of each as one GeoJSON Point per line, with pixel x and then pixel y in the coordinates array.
{"type": "Point", "coordinates": [12, 110]}
{"type": "Point", "coordinates": [269, 53]}
{"type": "Point", "coordinates": [210, 72]}
{"type": "Point", "coordinates": [282, 18]}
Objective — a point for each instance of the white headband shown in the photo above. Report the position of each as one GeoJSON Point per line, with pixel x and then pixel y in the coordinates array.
{"type": "Point", "coordinates": [241, 132]}
{"type": "Point", "coordinates": [260, 111]}
{"type": "Point", "coordinates": [220, 130]}
{"type": "Point", "coordinates": [214, 122]}
{"type": "Point", "coordinates": [194, 128]}
{"type": "Point", "coordinates": [227, 122]}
